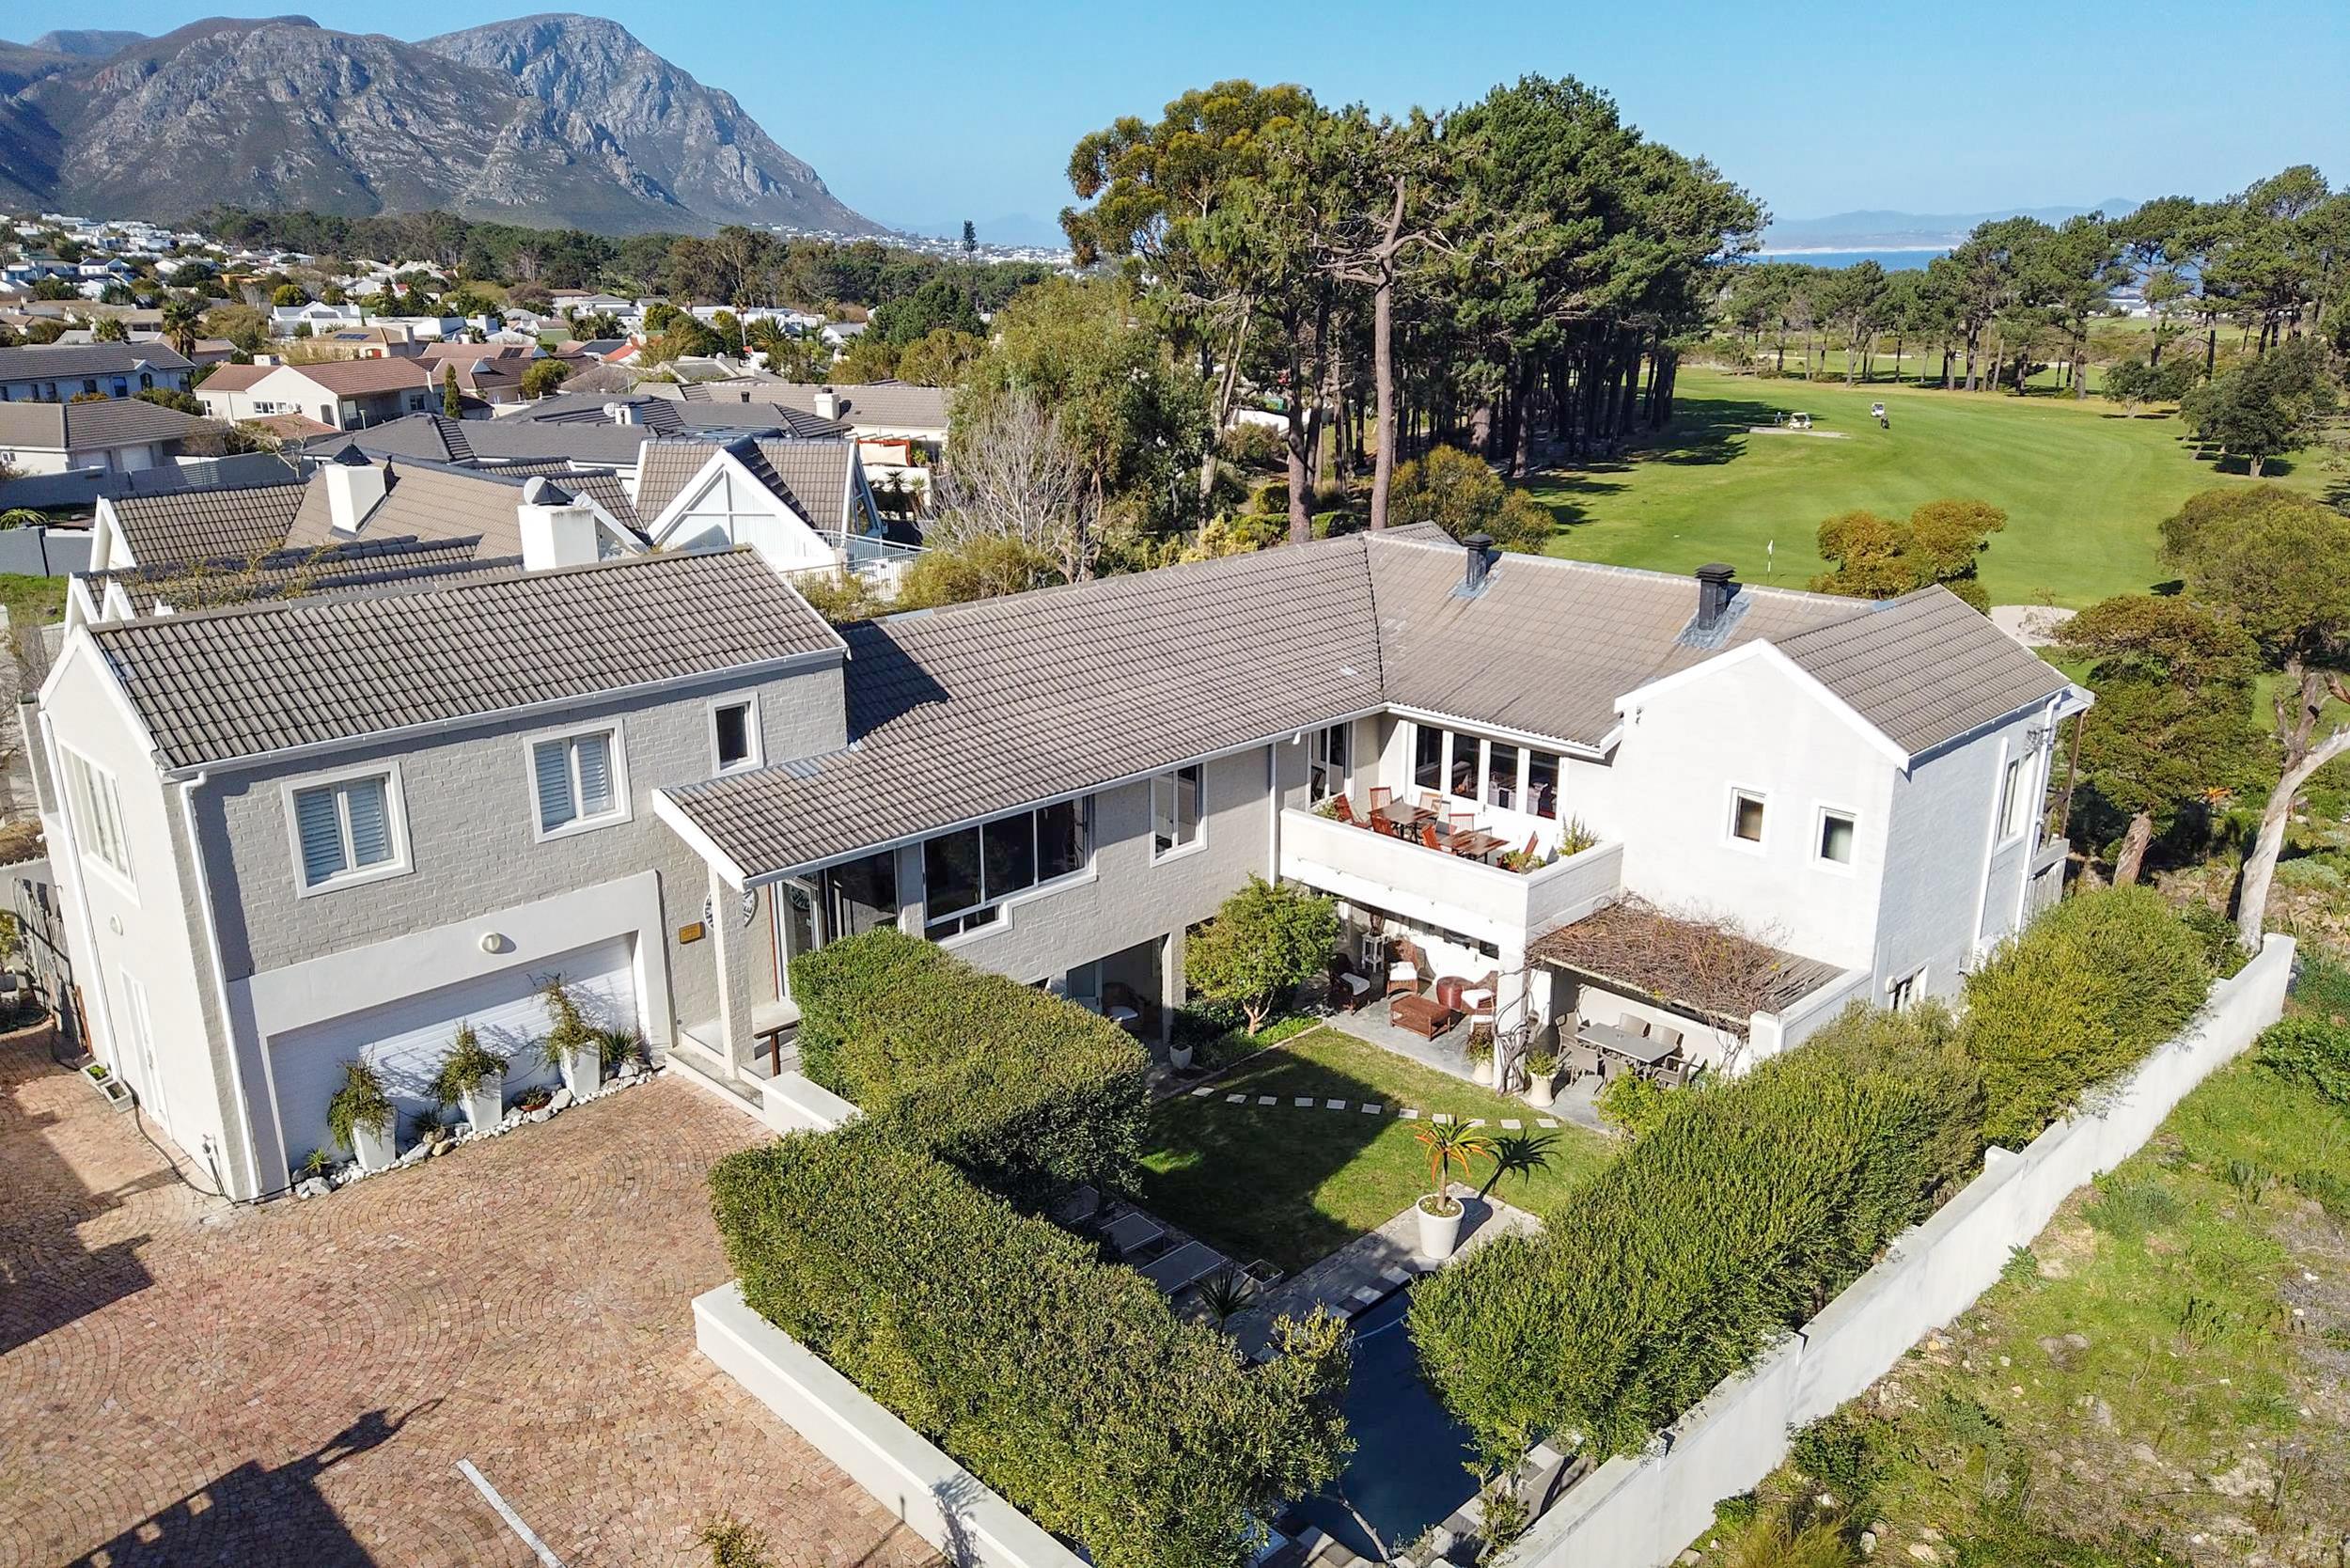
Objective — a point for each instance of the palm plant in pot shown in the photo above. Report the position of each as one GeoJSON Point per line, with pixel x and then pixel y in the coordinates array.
{"type": "Point", "coordinates": [472, 1076]}
{"type": "Point", "coordinates": [1448, 1144]}
{"type": "Point", "coordinates": [1542, 1070]}
{"type": "Point", "coordinates": [360, 1116]}
{"type": "Point", "coordinates": [572, 1047]}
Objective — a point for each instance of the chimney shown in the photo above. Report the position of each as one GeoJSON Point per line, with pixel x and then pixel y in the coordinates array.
{"type": "Point", "coordinates": [354, 487]}
{"type": "Point", "coordinates": [621, 414]}
{"type": "Point", "coordinates": [1480, 566]}
{"type": "Point", "coordinates": [827, 403]}
{"type": "Point", "coordinates": [557, 531]}
{"type": "Point", "coordinates": [1716, 584]}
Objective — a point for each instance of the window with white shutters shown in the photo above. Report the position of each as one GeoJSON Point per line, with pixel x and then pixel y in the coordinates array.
{"type": "Point", "coordinates": [345, 829]}
{"type": "Point", "coordinates": [578, 782]}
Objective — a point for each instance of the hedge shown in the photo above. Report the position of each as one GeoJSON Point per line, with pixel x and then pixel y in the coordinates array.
{"type": "Point", "coordinates": [1734, 1219]}
{"type": "Point", "coordinates": [1065, 1383]}
{"type": "Point", "coordinates": [1023, 1091]}
{"type": "Point", "coordinates": [2083, 992]}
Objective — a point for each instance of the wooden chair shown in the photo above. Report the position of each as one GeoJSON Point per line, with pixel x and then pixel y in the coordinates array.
{"type": "Point", "coordinates": [1381, 798]}
{"type": "Point", "coordinates": [1404, 966]}
{"type": "Point", "coordinates": [1345, 812]}
{"type": "Point", "coordinates": [1533, 845]}
{"type": "Point", "coordinates": [1348, 990]}
{"type": "Point", "coordinates": [1428, 837]}
{"type": "Point", "coordinates": [1431, 801]}
{"type": "Point", "coordinates": [1464, 821]}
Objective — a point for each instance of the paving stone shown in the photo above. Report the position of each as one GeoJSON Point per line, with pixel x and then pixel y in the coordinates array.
{"type": "Point", "coordinates": [1409, 1115]}
{"type": "Point", "coordinates": [1442, 1116]}
{"type": "Point", "coordinates": [1302, 1102]}
{"type": "Point", "coordinates": [1201, 1092]}
{"type": "Point", "coordinates": [1477, 1122]}
{"type": "Point", "coordinates": [1395, 1276]}
{"type": "Point", "coordinates": [1372, 1110]}
{"type": "Point", "coordinates": [1365, 1294]}
{"type": "Point", "coordinates": [1268, 1100]}
{"type": "Point", "coordinates": [1236, 1099]}
{"type": "Point", "coordinates": [1546, 1122]}
{"type": "Point", "coordinates": [1511, 1124]}
{"type": "Point", "coordinates": [1334, 1104]}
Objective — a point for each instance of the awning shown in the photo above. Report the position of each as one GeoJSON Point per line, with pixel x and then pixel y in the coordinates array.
{"type": "Point", "coordinates": [1690, 964]}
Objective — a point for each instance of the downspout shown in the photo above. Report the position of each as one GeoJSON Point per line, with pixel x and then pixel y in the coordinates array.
{"type": "Point", "coordinates": [220, 979]}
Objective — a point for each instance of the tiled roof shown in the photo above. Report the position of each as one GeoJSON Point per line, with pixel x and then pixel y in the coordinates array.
{"type": "Point", "coordinates": [44, 361]}
{"type": "Point", "coordinates": [975, 709]}
{"type": "Point", "coordinates": [218, 685]}
{"type": "Point", "coordinates": [360, 566]}
{"type": "Point", "coordinates": [426, 500]}
{"type": "Point", "coordinates": [666, 467]}
{"type": "Point", "coordinates": [350, 378]}
{"type": "Point", "coordinates": [882, 404]}
{"type": "Point", "coordinates": [205, 524]}
{"type": "Point", "coordinates": [233, 378]}
{"type": "Point", "coordinates": [1925, 668]}
{"type": "Point", "coordinates": [811, 476]}
{"type": "Point", "coordinates": [102, 422]}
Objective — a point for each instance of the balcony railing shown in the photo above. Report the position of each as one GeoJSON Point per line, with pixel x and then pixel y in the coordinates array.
{"type": "Point", "coordinates": [1506, 908]}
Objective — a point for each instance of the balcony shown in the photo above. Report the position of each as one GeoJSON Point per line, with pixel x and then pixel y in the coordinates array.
{"type": "Point", "coordinates": [1504, 907]}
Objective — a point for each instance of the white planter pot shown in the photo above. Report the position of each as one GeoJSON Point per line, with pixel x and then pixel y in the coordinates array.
{"type": "Point", "coordinates": [1439, 1233]}
{"type": "Point", "coordinates": [583, 1070]}
{"type": "Point", "coordinates": [1181, 1057]}
{"type": "Point", "coordinates": [485, 1104]}
{"type": "Point", "coordinates": [1538, 1089]}
{"type": "Point", "coordinates": [1483, 1069]}
{"type": "Point", "coordinates": [374, 1147]}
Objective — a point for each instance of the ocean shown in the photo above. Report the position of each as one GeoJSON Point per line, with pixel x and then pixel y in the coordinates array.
{"type": "Point", "coordinates": [1892, 261]}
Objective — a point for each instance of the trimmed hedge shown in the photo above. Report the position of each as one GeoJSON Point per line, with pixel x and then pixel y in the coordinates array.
{"type": "Point", "coordinates": [1065, 1383]}
{"type": "Point", "coordinates": [2083, 992]}
{"type": "Point", "coordinates": [1024, 1091]}
{"type": "Point", "coordinates": [1733, 1219]}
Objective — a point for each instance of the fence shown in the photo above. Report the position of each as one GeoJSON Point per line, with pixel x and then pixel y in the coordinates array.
{"type": "Point", "coordinates": [1640, 1513]}
{"type": "Point", "coordinates": [38, 552]}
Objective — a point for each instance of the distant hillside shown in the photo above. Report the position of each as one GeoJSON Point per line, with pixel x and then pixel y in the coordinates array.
{"type": "Point", "coordinates": [90, 43]}
{"type": "Point", "coordinates": [1878, 230]}
{"type": "Point", "coordinates": [554, 120]}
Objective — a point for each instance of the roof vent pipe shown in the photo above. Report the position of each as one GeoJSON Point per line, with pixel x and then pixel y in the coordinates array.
{"type": "Point", "coordinates": [1716, 584]}
{"type": "Point", "coordinates": [1480, 548]}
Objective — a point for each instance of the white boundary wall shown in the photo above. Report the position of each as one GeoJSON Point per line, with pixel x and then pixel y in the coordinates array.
{"type": "Point", "coordinates": [937, 1499]}
{"type": "Point", "coordinates": [1640, 1513]}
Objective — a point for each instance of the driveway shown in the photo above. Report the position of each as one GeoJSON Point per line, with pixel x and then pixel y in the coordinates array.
{"type": "Point", "coordinates": [184, 1382]}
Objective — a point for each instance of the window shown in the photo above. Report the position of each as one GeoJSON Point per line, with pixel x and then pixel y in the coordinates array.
{"type": "Point", "coordinates": [1325, 767]}
{"type": "Point", "coordinates": [2011, 799]}
{"type": "Point", "coordinates": [734, 733]}
{"type": "Point", "coordinates": [344, 829]}
{"type": "Point", "coordinates": [1903, 994]}
{"type": "Point", "coordinates": [1427, 758]}
{"type": "Point", "coordinates": [1745, 816]}
{"type": "Point", "coordinates": [1175, 811]}
{"type": "Point", "coordinates": [967, 874]}
{"type": "Point", "coordinates": [1835, 836]}
{"type": "Point", "coordinates": [1463, 778]}
{"type": "Point", "coordinates": [1541, 783]}
{"type": "Point", "coordinates": [1501, 775]}
{"type": "Point", "coordinates": [860, 896]}
{"type": "Point", "coordinates": [578, 781]}
{"type": "Point", "coordinates": [97, 810]}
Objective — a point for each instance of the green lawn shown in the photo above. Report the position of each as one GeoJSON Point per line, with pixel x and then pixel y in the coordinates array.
{"type": "Point", "coordinates": [1293, 1185]}
{"type": "Point", "coordinates": [32, 601]}
{"type": "Point", "coordinates": [2084, 488]}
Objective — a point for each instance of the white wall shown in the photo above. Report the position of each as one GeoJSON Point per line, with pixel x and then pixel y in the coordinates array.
{"type": "Point", "coordinates": [1640, 1513]}
{"type": "Point", "coordinates": [734, 509]}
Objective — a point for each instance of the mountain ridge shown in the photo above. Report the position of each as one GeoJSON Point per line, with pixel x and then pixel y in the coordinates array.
{"type": "Point", "coordinates": [553, 121]}
{"type": "Point", "coordinates": [1876, 228]}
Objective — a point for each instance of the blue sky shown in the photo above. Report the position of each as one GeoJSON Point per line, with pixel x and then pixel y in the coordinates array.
{"type": "Point", "coordinates": [930, 111]}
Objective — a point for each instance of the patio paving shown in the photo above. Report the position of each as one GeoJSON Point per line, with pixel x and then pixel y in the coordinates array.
{"type": "Point", "coordinates": [185, 1382]}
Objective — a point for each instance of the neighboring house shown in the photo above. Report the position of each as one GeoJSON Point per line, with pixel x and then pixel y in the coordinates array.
{"type": "Point", "coordinates": [55, 372]}
{"type": "Point", "coordinates": [352, 394]}
{"type": "Point", "coordinates": [353, 496]}
{"type": "Point", "coordinates": [463, 794]}
{"type": "Point", "coordinates": [191, 524]}
{"type": "Point", "coordinates": [316, 315]}
{"type": "Point", "coordinates": [900, 428]}
{"type": "Point", "coordinates": [804, 505]}
{"type": "Point", "coordinates": [125, 435]}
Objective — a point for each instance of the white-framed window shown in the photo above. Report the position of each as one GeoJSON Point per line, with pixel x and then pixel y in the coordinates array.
{"type": "Point", "coordinates": [1904, 993]}
{"type": "Point", "coordinates": [579, 782]}
{"type": "Point", "coordinates": [1747, 811]}
{"type": "Point", "coordinates": [95, 804]}
{"type": "Point", "coordinates": [1176, 819]}
{"type": "Point", "coordinates": [968, 873]}
{"type": "Point", "coordinates": [1838, 831]}
{"type": "Point", "coordinates": [734, 738]}
{"type": "Point", "coordinates": [1326, 764]}
{"type": "Point", "coordinates": [1541, 783]}
{"type": "Point", "coordinates": [2011, 799]}
{"type": "Point", "coordinates": [347, 829]}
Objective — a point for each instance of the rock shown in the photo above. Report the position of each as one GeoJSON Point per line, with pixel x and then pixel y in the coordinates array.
{"type": "Point", "coordinates": [414, 1152]}
{"type": "Point", "coordinates": [561, 1101]}
{"type": "Point", "coordinates": [314, 1187]}
{"type": "Point", "coordinates": [630, 1068]}
{"type": "Point", "coordinates": [1689, 1556]}
{"type": "Point", "coordinates": [1923, 1553]}
{"type": "Point", "coordinates": [539, 1115]}
{"type": "Point", "coordinates": [1868, 1542]}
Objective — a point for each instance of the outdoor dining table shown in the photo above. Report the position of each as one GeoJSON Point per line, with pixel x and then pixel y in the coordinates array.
{"type": "Point", "coordinates": [1474, 843]}
{"type": "Point", "coordinates": [1401, 817]}
{"type": "Point", "coordinates": [1636, 1048]}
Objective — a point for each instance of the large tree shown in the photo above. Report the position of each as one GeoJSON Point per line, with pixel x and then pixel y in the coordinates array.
{"type": "Point", "coordinates": [2277, 565]}
{"type": "Point", "coordinates": [2265, 406]}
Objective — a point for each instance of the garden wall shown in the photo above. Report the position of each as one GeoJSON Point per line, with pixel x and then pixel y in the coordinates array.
{"type": "Point", "coordinates": [1642, 1512]}
{"type": "Point", "coordinates": [937, 1499]}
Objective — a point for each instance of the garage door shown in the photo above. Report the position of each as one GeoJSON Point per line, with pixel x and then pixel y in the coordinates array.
{"type": "Point", "coordinates": [405, 1040]}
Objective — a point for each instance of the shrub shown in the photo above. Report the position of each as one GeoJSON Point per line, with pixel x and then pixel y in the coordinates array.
{"type": "Point", "coordinates": [2083, 992]}
{"type": "Point", "coordinates": [2312, 1051]}
{"type": "Point", "coordinates": [1631, 1103]}
{"type": "Point", "coordinates": [2323, 986]}
{"type": "Point", "coordinates": [465, 1064]}
{"type": "Point", "coordinates": [1737, 1216]}
{"type": "Point", "coordinates": [1024, 1091]}
{"type": "Point", "coordinates": [362, 1102]}
{"type": "Point", "coordinates": [1265, 941]}
{"type": "Point", "coordinates": [1064, 1383]}
{"type": "Point", "coordinates": [569, 1031]}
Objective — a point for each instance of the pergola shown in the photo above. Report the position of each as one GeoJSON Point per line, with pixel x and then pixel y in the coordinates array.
{"type": "Point", "coordinates": [1700, 968]}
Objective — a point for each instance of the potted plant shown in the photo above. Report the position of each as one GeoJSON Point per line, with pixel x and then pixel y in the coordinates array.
{"type": "Point", "coordinates": [572, 1047]}
{"type": "Point", "coordinates": [1448, 1144]}
{"type": "Point", "coordinates": [473, 1078]}
{"type": "Point", "coordinates": [537, 1097]}
{"type": "Point", "coordinates": [1480, 1055]}
{"type": "Point", "coordinates": [1541, 1068]}
{"type": "Point", "coordinates": [360, 1116]}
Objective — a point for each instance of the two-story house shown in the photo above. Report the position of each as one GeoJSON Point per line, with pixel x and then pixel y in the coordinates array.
{"type": "Point", "coordinates": [59, 372]}
{"type": "Point", "coordinates": [306, 830]}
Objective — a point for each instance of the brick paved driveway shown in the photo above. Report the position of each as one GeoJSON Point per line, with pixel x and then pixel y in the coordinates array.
{"type": "Point", "coordinates": [182, 1383]}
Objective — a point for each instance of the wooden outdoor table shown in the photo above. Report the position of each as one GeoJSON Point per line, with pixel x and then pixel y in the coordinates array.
{"type": "Point", "coordinates": [1475, 844]}
{"type": "Point", "coordinates": [1637, 1048]}
{"type": "Point", "coordinates": [1399, 817]}
{"type": "Point", "coordinates": [1424, 1015]}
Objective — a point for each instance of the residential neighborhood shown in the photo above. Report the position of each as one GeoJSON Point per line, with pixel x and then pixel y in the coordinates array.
{"type": "Point", "coordinates": [1422, 837]}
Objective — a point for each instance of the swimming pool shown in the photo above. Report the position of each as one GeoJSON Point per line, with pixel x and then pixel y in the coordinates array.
{"type": "Point", "coordinates": [1407, 1472]}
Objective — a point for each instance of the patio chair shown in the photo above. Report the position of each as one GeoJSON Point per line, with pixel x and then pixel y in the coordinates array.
{"type": "Point", "coordinates": [1665, 1033]}
{"type": "Point", "coordinates": [1381, 798]}
{"type": "Point", "coordinates": [1431, 801]}
{"type": "Point", "coordinates": [1348, 989]}
{"type": "Point", "coordinates": [1670, 1075]}
{"type": "Point", "coordinates": [1584, 1061]}
{"type": "Point", "coordinates": [1404, 970]}
{"type": "Point", "coordinates": [1345, 812]}
{"type": "Point", "coordinates": [1533, 845]}
{"type": "Point", "coordinates": [1477, 996]}
{"type": "Point", "coordinates": [1428, 838]}
{"type": "Point", "coordinates": [1464, 821]}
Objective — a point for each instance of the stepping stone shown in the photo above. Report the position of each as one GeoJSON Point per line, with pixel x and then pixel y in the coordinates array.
{"type": "Point", "coordinates": [1511, 1123]}
{"type": "Point", "coordinates": [1395, 1276]}
{"type": "Point", "coordinates": [1303, 1102]}
{"type": "Point", "coordinates": [1236, 1099]}
{"type": "Point", "coordinates": [1409, 1115]}
{"type": "Point", "coordinates": [1268, 1100]}
{"type": "Point", "coordinates": [1477, 1122]}
{"type": "Point", "coordinates": [1201, 1092]}
{"type": "Point", "coordinates": [1372, 1110]}
{"type": "Point", "coordinates": [1334, 1104]}
{"type": "Point", "coordinates": [1365, 1294]}
{"type": "Point", "coordinates": [1546, 1122]}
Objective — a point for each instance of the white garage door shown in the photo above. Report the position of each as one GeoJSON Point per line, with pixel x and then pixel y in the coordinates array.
{"type": "Point", "coordinates": [405, 1040]}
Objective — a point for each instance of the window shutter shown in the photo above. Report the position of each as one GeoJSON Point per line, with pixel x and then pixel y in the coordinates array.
{"type": "Point", "coordinates": [553, 762]}
{"type": "Point", "coordinates": [321, 835]}
{"type": "Point", "coordinates": [595, 774]}
{"type": "Point", "coordinates": [370, 832]}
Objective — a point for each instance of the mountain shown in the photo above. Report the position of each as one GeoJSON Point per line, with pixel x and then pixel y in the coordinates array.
{"type": "Point", "coordinates": [88, 44]}
{"type": "Point", "coordinates": [1880, 230]}
{"type": "Point", "coordinates": [552, 121]}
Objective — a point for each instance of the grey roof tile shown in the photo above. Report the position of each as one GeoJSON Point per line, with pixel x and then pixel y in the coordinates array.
{"type": "Point", "coordinates": [1925, 668]}
{"type": "Point", "coordinates": [359, 566]}
{"type": "Point", "coordinates": [202, 524]}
